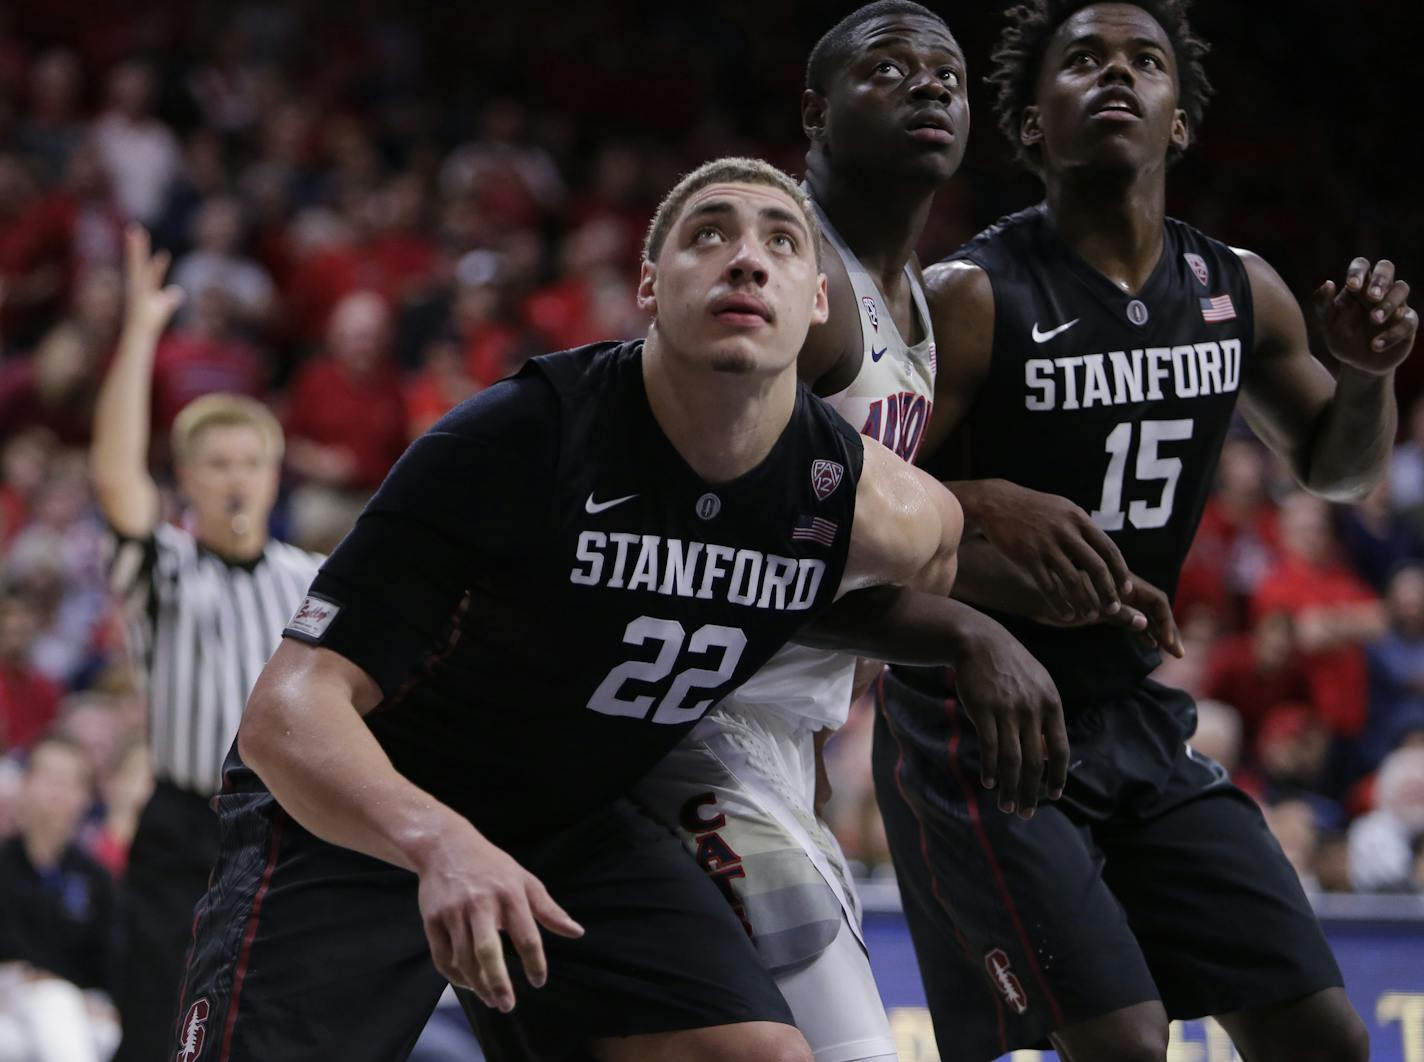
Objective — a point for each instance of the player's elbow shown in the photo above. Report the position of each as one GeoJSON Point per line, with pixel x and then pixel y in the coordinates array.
{"type": "Point", "coordinates": [259, 735]}
{"type": "Point", "coordinates": [1341, 486]}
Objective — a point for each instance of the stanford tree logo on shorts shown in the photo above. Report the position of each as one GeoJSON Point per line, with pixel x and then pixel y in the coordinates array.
{"type": "Point", "coordinates": [194, 1030]}
{"type": "Point", "coordinates": [825, 477]}
{"type": "Point", "coordinates": [997, 963]}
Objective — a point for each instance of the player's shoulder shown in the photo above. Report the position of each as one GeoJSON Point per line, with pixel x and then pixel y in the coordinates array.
{"type": "Point", "coordinates": [539, 392]}
{"type": "Point", "coordinates": [1190, 240]}
{"type": "Point", "coordinates": [585, 368]}
{"type": "Point", "coordinates": [1004, 243]}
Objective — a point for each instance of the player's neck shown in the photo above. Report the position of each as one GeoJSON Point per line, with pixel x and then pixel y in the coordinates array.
{"type": "Point", "coordinates": [1115, 227]}
{"type": "Point", "coordinates": [881, 223]}
{"type": "Point", "coordinates": [723, 424]}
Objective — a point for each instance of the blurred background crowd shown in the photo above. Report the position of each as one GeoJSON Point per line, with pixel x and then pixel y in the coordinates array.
{"type": "Point", "coordinates": [376, 209]}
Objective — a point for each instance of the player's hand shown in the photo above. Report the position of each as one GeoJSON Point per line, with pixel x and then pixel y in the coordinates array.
{"type": "Point", "coordinates": [1013, 704]}
{"type": "Point", "coordinates": [1368, 323]}
{"type": "Point", "coordinates": [1159, 626]}
{"type": "Point", "coordinates": [470, 892]}
{"type": "Point", "coordinates": [1077, 568]}
{"type": "Point", "coordinates": [147, 303]}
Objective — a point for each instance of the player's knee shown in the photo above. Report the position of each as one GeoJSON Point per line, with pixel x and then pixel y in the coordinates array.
{"type": "Point", "coordinates": [1342, 1039]}
{"type": "Point", "coordinates": [1142, 1043]}
{"type": "Point", "coordinates": [1120, 1038]}
{"type": "Point", "coordinates": [774, 1043]}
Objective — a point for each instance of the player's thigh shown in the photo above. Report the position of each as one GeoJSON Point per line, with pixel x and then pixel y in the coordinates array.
{"type": "Point", "coordinates": [1015, 931]}
{"type": "Point", "coordinates": [756, 1041]}
{"type": "Point", "coordinates": [836, 1005]}
{"type": "Point", "coordinates": [772, 859]}
{"type": "Point", "coordinates": [1215, 904]}
{"type": "Point", "coordinates": [304, 950]}
{"type": "Point", "coordinates": [662, 951]}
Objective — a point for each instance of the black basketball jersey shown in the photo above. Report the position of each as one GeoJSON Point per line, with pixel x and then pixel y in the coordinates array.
{"type": "Point", "coordinates": [604, 596]}
{"type": "Point", "coordinates": [1118, 402]}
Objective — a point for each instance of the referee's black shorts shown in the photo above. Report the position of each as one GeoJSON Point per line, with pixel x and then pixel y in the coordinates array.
{"type": "Point", "coordinates": [308, 951]}
{"type": "Point", "coordinates": [1153, 878]}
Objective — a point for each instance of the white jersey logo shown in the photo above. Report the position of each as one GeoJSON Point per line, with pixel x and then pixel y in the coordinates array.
{"type": "Point", "coordinates": [1044, 337]}
{"type": "Point", "coordinates": [593, 508]}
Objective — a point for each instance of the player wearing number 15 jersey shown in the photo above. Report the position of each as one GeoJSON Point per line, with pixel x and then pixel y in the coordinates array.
{"type": "Point", "coordinates": [1099, 353]}
{"type": "Point", "coordinates": [551, 587]}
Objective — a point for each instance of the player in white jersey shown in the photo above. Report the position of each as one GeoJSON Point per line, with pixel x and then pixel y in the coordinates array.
{"type": "Point", "coordinates": [886, 110]}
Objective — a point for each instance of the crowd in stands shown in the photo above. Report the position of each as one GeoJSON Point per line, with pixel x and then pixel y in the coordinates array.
{"type": "Point", "coordinates": [375, 210]}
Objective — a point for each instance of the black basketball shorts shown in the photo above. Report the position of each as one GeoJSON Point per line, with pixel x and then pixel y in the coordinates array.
{"type": "Point", "coordinates": [307, 951]}
{"type": "Point", "coordinates": [1153, 878]}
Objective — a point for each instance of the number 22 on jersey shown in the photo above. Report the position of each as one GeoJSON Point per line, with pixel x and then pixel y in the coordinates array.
{"type": "Point", "coordinates": [670, 633]}
{"type": "Point", "coordinates": [1151, 467]}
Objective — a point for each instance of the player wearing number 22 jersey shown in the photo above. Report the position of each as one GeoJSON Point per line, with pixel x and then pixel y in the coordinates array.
{"type": "Point", "coordinates": [549, 590]}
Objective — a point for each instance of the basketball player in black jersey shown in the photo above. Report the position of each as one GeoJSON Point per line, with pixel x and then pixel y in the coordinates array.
{"type": "Point", "coordinates": [550, 588]}
{"type": "Point", "coordinates": [1098, 352]}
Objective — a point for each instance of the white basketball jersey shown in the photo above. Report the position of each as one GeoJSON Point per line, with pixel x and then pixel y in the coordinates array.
{"type": "Point", "coordinates": [889, 400]}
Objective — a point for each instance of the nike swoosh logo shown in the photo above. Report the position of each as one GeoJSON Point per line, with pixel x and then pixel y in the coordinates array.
{"type": "Point", "coordinates": [591, 507]}
{"type": "Point", "coordinates": [1044, 337]}
{"type": "Point", "coordinates": [876, 355]}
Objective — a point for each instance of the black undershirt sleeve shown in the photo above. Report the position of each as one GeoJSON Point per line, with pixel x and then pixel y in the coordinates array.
{"type": "Point", "coordinates": [466, 496]}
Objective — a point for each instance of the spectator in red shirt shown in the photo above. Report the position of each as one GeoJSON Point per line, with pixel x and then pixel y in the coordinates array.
{"type": "Point", "coordinates": [443, 382]}
{"type": "Point", "coordinates": [476, 315]}
{"type": "Point", "coordinates": [55, 387]}
{"type": "Point", "coordinates": [29, 701]}
{"type": "Point", "coordinates": [1236, 542]}
{"type": "Point", "coordinates": [206, 354]}
{"type": "Point", "coordinates": [1256, 671]}
{"type": "Point", "coordinates": [346, 422]}
{"type": "Point", "coordinates": [1335, 613]}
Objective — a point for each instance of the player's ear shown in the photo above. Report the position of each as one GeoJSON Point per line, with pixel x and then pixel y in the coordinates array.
{"type": "Point", "coordinates": [1181, 132]}
{"type": "Point", "coordinates": [1030, 132]}
{"type": "Point", "coordinates": [813, 115]}
{"type": "Point", "coordinates": [647, 276]}
{"type": "Point", "coordinates": [821, 307]}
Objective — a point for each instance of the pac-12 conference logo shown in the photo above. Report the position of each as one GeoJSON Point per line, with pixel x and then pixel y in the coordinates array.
{"type": "Point", "coordinates": [871, 312]}
{"type": "Point", "coordinates": [194, 1032]}
{"type": "Point", "coordinates": [826, 477]}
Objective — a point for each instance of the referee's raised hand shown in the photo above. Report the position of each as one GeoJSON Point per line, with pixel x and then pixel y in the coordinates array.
{"type": "Point", "coordinates": [148, 305]}
{"type": "Point", "coordinates": [470, 893]}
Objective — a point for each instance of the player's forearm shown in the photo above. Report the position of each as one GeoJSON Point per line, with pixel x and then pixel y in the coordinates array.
{"type": "Point", "coordinates": [978, 499]}
{"type": "Point", "coordinates": [314, 752]}
{"type": "Point", "coordinates": [990, 580]}
{"type": "Point", "coordinates": [1353, 438]}
{"type": "Point", "coordinates": [897, 625]}
{"type": "Point", "coordinates": [119, 452]}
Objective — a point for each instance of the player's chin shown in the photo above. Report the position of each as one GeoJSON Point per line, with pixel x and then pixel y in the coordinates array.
{"type": "Point", "coordinates": [743, 356]}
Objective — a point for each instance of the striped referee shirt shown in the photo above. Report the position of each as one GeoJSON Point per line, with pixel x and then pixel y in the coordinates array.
{"type": "Point", "coordinates": [201, 628]}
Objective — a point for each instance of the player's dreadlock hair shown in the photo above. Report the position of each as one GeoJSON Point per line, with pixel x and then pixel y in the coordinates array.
{"type": "Point", "coordinates": [1019, 56]}
{"type": "Point", "coordinates": [833, 49]}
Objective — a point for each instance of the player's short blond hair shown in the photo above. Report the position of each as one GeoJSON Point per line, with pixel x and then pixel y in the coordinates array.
{"type": "Point", "coordinates": [221, 410]}
{"type": "Point", "coordinates": [729, 170]}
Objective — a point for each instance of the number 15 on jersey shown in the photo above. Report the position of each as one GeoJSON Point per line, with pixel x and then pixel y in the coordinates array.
{"type": "Point", "coordinates": [1151, 466]}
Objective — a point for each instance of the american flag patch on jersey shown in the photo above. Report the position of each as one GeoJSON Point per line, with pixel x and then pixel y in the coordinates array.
{"type": "Point", "coordinates": [1218, 308]}
{"type": "Point", "coordinates": [815, 529]}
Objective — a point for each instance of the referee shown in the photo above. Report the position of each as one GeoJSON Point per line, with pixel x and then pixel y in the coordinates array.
{"type": "Point", "coordinates": [205, 609]}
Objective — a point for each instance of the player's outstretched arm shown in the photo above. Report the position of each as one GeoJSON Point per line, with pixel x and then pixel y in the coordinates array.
{"type": "Point", "coordinates": [906, 531]}
{"type": "Point", "coordinates": [1008, 694]}
{"type": "Point", "coordinates": [1336, 434]}
{"type": "Point", "coordinates": [303, 734]}
{"type": "Point", "coordinates": [118, 456]}
{"type": "Point", "coordinates": [1077, 568]}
